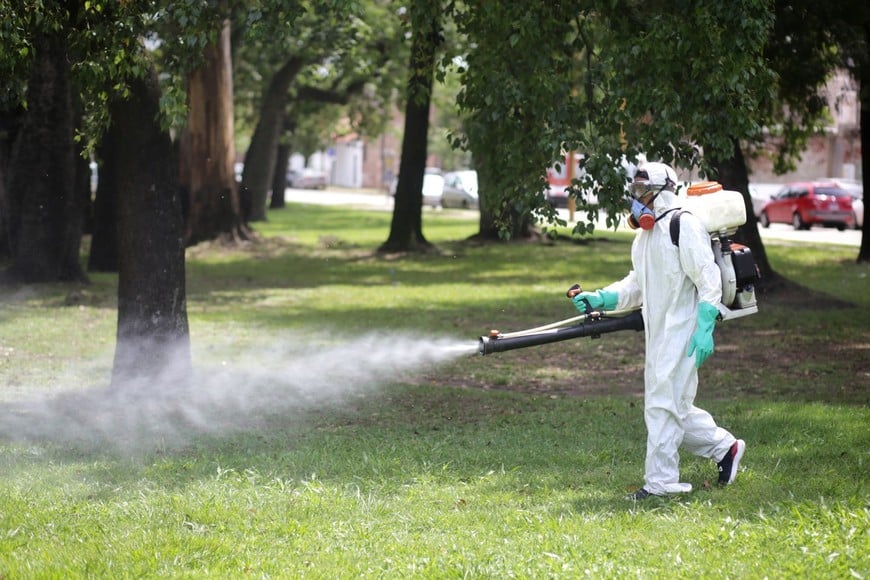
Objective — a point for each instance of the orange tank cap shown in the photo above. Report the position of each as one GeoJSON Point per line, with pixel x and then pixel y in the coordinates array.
{"type": "Point", "coordinates": [704, 187]}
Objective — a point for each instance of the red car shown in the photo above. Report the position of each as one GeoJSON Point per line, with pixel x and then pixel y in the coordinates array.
{"type": "Point", "coordinates": [807, 203]}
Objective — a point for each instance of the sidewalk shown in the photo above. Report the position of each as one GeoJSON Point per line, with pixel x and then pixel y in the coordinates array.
{"type": "Point", "coordinates": [380, 201]}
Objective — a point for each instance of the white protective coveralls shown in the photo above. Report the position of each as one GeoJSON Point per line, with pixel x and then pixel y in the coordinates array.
{"type": "Point", "coordinates": [668, 282]}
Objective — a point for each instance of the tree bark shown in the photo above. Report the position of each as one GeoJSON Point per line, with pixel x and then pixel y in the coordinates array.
{"type": "Point", "coordinates": [406, 228]}
{"type": "Point", "coordinates": [103, 256]}
{"type": "Point", "coordinates": [209, 152]}
{"type": "Point", "coordinates": [153, 338]}
{"type": "Point", "coordinates": [521, 227]}
{"type": "Point", "coordinates": [10, 122]}
{"type": "Point", "coordinates": [279, 178]}
{"type": "Point", "coordinates": [45, 215]}
{"type": "Point", "coordinates": [734, 176]}
{"type": "Point", "coordinates": [260, 158]}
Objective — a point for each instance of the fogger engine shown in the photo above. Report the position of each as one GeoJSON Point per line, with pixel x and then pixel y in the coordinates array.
{"type": "Point", "coordinates": [721, 212]}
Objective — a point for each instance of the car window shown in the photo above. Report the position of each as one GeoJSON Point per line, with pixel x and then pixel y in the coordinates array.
{"type": "Point", "coordinates": [834, 191]}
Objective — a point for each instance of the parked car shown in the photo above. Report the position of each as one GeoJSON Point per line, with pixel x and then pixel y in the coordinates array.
{"type": "Point", "coordinates": [761, 193]}
{"type": "Point", "coordinates": [433, 187]}
{"type": "Point", "coordinates": [559, 178]}
{"type": "Point", "coordinates": [805, 204]}
{"type": "Point", "coordinates": [306, 179]}
{"type": "Point", "coordinates": [428, 171]}
{"type": "Point", "coordinates": [856, 190]}
{"type": "Point", "coordinates": [858, 209]}
{"type": "Point", "coordinates": [460, 190]}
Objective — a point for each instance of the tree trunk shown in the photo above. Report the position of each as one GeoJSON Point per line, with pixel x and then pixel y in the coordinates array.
{"type": "Point", "coordinates": [104, 238]}
{"type": "Point", "coordinates": [153, 340]}
{"type": "Point", "coordinates": [10, 121]}
{"type": "Point", "coordinates": [260, 158]}
{"type": "Point", "coordinates": [406, 228]}
{"type": "Point", "coordinates": [214, 208]}
{"type": "Point", "coordinates": [488, 225]}
{"type": "Point", "coordinates": [279, 179]}
{"type": "Point", "coordinates": [83, 187]}
{"type": "Point", "coordinates": [45, 215]}
{"type": "Point", "coordinates": [734, 176]}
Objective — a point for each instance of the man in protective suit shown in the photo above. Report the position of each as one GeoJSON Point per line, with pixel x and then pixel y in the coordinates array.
{"type": "Point", "coordinates": [679, 288]}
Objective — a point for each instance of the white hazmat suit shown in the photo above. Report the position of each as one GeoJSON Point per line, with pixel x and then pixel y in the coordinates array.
{"type": "Point", "coordinates": [669, 281]}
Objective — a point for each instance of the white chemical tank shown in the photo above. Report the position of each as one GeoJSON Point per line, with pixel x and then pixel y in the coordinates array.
{"type": "Point", "coordinates": [720, 210]}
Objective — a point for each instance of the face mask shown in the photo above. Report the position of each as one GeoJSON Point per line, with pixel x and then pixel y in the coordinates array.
{"type": "Point", "coordinates": [641, 216]}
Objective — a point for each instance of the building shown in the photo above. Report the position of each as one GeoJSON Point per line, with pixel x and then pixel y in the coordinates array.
{"type": "Point", "coordinates": [837, 152]}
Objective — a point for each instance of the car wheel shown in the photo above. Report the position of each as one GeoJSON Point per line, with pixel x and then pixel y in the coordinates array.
{"type": "Point", "coordinates": [841, 227]}
{"type": "Point", "coordinates": [797, 222]}
{"type": "Point", "coordinates": [765, 221]}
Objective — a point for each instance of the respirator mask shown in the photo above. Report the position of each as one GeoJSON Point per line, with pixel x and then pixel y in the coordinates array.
{"type": "Point", "coordinates": [645, 184]}
{"type": "Point", "coordinates": [641, 216]}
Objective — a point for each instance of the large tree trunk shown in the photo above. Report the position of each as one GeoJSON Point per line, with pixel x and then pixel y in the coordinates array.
{"type": "Point", "coordinates": [520, 226]}
{"type": "Point", "coordinates": [260, 158]}
{"type": "Point", "coordinates": [406, 229]}
{"type": "Point", "coordinates": [214, 208]}
{"type": "Point", "coordinates": [10, 122]}
{"type": "Point", "coordinates": [103, 256]}
{"type": "Point", "coordinates": [153, 339]}
{"type": "Point", "coordinates": [45, 215]}
{"type": "Point", "coordinates": [734, 176]}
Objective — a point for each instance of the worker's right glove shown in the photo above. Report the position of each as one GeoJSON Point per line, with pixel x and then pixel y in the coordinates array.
{"type": "Point", "coordinates": [702, 341]}
{"type": "Point", "coordinates": [600, 299]}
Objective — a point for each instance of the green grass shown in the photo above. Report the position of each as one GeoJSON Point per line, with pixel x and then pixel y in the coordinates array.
{"type": "Point", "coordinates": [512, 465]}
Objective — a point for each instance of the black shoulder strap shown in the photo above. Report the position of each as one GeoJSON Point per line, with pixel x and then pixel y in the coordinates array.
{"type": "Point", "coordinates": [675, 228]}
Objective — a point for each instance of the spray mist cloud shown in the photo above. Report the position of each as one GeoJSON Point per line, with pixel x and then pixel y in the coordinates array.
{"type": "Point", "coordinates": [291, 376]}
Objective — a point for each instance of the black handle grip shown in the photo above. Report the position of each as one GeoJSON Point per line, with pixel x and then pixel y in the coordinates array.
{"type": "Point", "coordinates": [573, 291]}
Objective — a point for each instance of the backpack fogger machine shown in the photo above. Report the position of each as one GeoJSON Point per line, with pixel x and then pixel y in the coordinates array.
{"type": "Point", "coordinates": [721, 212]}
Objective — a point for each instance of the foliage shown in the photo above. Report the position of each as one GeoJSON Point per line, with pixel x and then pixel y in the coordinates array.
{"type": "Point", "coordinates": [517, 79]}
{"type": "Point", "coordinates": [343, 44]}
{"type": "Point", "coordinates": [612, 81]}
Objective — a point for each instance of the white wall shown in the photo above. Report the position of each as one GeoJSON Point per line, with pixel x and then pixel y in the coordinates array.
{"type": "Point", "coordinates": [347, 167]}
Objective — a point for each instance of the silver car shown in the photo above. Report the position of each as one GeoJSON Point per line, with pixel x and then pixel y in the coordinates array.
{"type": "Point", "coordinates": [856, 190]}
{"type": "Point", "coordinates": [306, 179]}
{"type": "Point", "coordinates": [460, 190]}
{"type": "Point", "coordinates": [433, 188]}
{"type": "Point", "coordinates": [760, 194]}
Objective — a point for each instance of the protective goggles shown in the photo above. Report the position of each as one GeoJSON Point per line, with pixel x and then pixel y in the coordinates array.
{"type": "Point", "coordinates": [639, 189]}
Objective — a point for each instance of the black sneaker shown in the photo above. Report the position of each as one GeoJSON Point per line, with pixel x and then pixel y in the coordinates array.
{"type": "Point", "coordinates": [640, 494]}
{"type": "Point", "coordinates": [729, 464]}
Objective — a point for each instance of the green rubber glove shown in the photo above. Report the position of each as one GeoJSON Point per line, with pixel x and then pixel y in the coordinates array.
{"type": "Point", "coordinates": [702, 341]}
{"type": "Point", "coordinates": [598, 299]}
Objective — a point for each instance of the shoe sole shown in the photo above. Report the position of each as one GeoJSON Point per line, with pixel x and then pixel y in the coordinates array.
{"type": "Point", "coordinates": [741, 449]}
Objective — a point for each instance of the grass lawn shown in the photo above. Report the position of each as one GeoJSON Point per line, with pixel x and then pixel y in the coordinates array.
{"type": "Point", "coordinates": [341, 425]}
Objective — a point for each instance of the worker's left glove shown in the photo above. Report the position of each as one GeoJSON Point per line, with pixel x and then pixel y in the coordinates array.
{"type": "Point", "coordinates": [702, 341]}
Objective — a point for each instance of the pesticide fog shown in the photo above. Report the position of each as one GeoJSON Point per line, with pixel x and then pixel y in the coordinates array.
{"type": "Point", "coordinates": [228, 393]}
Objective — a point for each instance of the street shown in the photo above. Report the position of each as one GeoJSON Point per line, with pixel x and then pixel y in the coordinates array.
{"type": "Point", "coordinates": [370, 200]}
